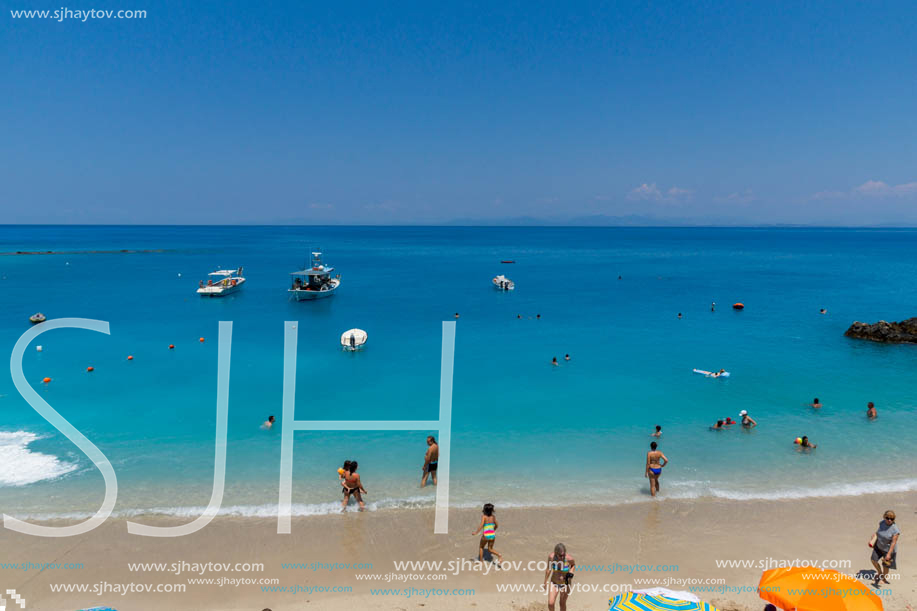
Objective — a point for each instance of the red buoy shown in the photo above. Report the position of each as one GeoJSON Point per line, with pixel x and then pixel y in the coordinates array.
{"type": "Point", "coordinates": [90, 369]}
{"type": "Point", "coordinates": [738, 306]}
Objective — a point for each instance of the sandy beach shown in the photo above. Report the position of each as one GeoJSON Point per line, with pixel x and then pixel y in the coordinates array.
{"type": "Point", "coordinates": [687, 537]}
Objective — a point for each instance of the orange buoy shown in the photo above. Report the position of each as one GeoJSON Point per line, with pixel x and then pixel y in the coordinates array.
{"type": "Point", "coordinates": [738, 306]}
{"type": "Point", "coordinates": [46, 380]}
{"type": "Point", "coordinates": [130, 358]}
{"type": "Point", "coordinates": [171, 346]}
{"type": "Point", "coordinates": [90, 369]}
{"type": "Point", "coordinates": [202, 340]}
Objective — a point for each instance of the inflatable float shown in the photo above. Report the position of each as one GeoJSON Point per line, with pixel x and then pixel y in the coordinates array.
{"type": "Point", "coordinates": [712, 374]}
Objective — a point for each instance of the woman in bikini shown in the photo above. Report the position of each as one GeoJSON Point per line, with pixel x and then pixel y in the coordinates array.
{"type": "Point", "coordinates": [558, 576]}
{"type": "Point", "coordinates": [352, 487]}
{"type": "Point", "coordinates": [655, 461]}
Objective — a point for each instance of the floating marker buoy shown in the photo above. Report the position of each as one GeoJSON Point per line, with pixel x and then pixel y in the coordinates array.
{"type": "Point", "coordinates": [90, 369]}
{"type": "Point", "coordinates": [738, 306]}
{"type": "Point", "coordinates": [798, 440]}
{"type": "Point", "coordinates": [130, 358]}
{"type": "Point", "coordinates": [171, 346]}
{"type": "Point", "coordinates": [201, 340]}
{"type": "Point", "coordinates": [46, 380]}
{"type": "Point", "coordinates": [38, 348]}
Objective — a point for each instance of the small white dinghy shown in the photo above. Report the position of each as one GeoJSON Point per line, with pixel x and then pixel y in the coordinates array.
{"type": "Point", "coordinates": [502, 283]}
{"type": "Point", "coordinates": [353, 339]}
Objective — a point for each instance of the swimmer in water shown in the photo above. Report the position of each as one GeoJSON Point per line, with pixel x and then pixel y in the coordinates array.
{"type": "Point", "coordinates": [718, 426]}
{"type": "Point", "coordinates": [871, 411]}
{"type": "Point", "coordinates": [679, 315]}
{"type": "Point", "coordinates": [537, 316]}
{"type": "Point", "coordinates": [554, 362]}
{"type": "Point", "coordinates": [267, 424]}
{"type": "Point", "coordinates": [658, 432]}
{"type": "Point", "coordinates": [728, 421]}
{"type": "Point", "coordinates": [806, 443]}
{"type": "Point", "coordinates": [456, 314]}
{"type": "Point", "coordinates": [655, 461]}
{"type": "Point", "coordinates": [713, 307]}
{"type": "Point", "coordinates": [747, 421]}
{"type": "Point", "coordinates": [823, 311]}
{"type": "Point", "coordinates": [815, 403]}
{"type": "Point", "coordinates": [566, 357]}
{"type": "Point", "coordinates": [718, 373]}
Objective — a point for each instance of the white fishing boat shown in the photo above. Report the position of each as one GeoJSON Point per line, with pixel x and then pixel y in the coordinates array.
{"type": "Point", "coordinates": [502, 283]}
{"type": "Point", "coordinates": [221, 282]}
{"type": "Point", "coordinates": [353, 339]}
{"type": "Point", "coordinates": [314, 282]}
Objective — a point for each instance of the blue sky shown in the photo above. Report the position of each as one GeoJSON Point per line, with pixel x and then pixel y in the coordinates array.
{"type": "Point", "coordinates": [228, 112]}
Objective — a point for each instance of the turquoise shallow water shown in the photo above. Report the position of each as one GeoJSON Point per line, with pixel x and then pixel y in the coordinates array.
{"type": "Point", "coordinates": [525, 433]}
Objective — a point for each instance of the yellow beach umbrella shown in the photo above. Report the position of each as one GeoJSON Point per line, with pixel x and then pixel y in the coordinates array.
{"type": "Point", "coordinates": [810, 589]}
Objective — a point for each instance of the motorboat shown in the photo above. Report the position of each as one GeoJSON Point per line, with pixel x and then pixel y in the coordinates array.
{"type": "Point", "coordinates": [353, 339]}
{"type": "Point", "coordinates": [221, 282]}
{"type": "Point", "coordinates": [314, 282]}
{"type": "Point", "coordinates": [502, 283]}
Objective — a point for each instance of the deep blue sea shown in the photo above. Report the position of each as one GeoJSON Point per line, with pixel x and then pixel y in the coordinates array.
{"type": "Point", "coordinates": [525, 433]}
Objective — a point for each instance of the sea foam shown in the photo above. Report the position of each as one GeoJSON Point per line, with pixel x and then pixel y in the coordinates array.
{"type": "Point", "coordinates": [20, 466]}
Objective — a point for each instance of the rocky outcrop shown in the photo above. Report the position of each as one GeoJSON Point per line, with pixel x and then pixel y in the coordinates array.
{"type": "Point", "coordinates": [904, 332]}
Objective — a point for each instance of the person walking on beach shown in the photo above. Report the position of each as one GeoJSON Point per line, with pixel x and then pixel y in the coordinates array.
{"type": "Point", "coordinates": [655, 461]}
{"type": "Point", "coordinates": [489, 527]}
{"type": "Point", "coordinates": [871, 411]}
{"type": "Point", "coordinates": [430, 461]}
{"type": "Point", "coordinates": [353, 487]}
{"type": "Point", "coordinates": [884, 547]}
{"type": "Point", "coordinates": [558, 576]}
{"type": "Point", "coordinates": [747, 421]}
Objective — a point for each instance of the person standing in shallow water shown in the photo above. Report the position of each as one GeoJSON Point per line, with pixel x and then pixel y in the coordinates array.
{"type": "Point", "coordinates": [655, 461]}
{"type": "Point", "coordinates": [430, 461]}
{"type": "Point", "coordinates": [353, 486]}
{"type": "Point", "coordinates": [871, 412]}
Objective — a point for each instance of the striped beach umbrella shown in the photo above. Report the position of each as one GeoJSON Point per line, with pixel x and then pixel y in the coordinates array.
{"type": "Point", "coordinates": [632, 601]}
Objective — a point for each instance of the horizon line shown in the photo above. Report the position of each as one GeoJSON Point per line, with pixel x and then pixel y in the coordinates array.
{"type": "Point", "coordinates": [476, 225]}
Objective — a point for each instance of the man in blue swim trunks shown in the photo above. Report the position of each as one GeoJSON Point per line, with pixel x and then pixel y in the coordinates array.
{"type": "Point", "coordinates": [430, 461]}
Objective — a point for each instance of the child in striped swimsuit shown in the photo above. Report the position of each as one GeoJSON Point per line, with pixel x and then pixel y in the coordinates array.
{"type": "Point", "coordinates": [489, 527]}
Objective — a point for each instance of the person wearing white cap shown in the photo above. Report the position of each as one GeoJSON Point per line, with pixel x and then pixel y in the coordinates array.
{"type": "Point", "coordinates": [747, 421]}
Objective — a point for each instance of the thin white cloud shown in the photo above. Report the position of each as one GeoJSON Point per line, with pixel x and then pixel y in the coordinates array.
{"type": "Point", "coordinates": [872, 189]}
{"type": "Point", "coordinates": [743, 197]}
{"type": "Point", "coordinates": [652, 193]}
